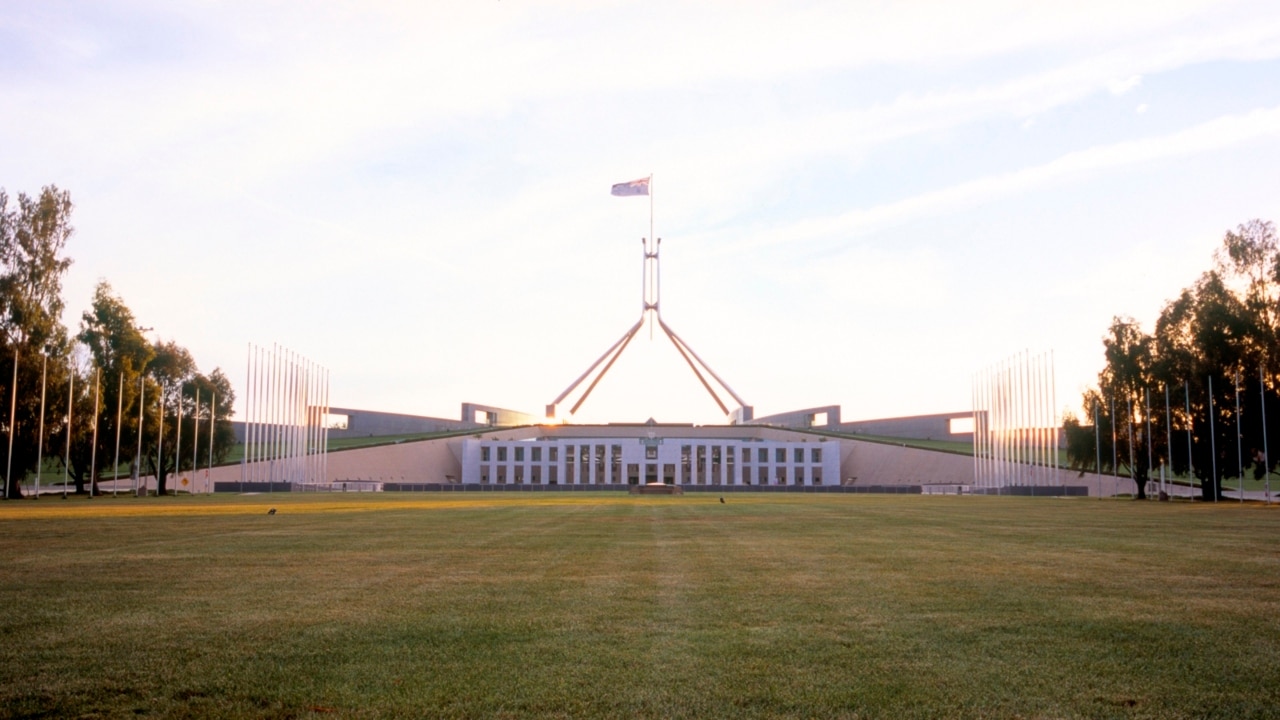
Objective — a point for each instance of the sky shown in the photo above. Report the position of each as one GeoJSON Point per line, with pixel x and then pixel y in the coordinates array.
{"type": "Point", "coordinates": [867, 204]}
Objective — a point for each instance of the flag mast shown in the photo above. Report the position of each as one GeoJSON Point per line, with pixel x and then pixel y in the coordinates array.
{"type": "Point", "coordinates": [651, 289]}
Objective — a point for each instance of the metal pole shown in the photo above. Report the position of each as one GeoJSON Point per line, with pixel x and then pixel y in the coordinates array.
{"type": "Point", "coordinates": [1191, 470]}
{"type": "Point", "coordinates": [13, 416]}
{"type": "Point", "coordinates": [1146, 411]}
{"type": "Point", "coordinates": [195, 444]}
{"type": "Point", "coordinates": [1133, 475]}
{"type": "Point", "coordinates": [1168, 442]}
{"type": "Point", "coordinates": [160, 439]}
{"type": "Point", "coordinates": [213, 423]}
{"type": "Point", "coordinates": [1266, 457]}
{"type": "Point", "coordinates": [248, 403]}
{"type": "Point", "coordinates": [44, 376]}
{"type": "Point", "coordinates": [177, 441]}
{"type": "Point", "coordinates": [93, 448]}
{"type": "Point", "coordinates": [1097, 448]}
{"type": "Point", "coordinates": [1213, 442]}
{"type": "Point", "coordinates": [142, 396]}
{"type": "Point", "coordinates": [1115, 460]}
{"type": "Point", "coordinates": [115, 473]}
{"type": "Point", "coordinates": [71, 403]}
{"type": "Point", "coordinates": [1239, 450]}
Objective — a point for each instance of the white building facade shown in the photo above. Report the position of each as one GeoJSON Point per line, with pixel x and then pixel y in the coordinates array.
{"type": "Point", "coordinates": [672, 460]}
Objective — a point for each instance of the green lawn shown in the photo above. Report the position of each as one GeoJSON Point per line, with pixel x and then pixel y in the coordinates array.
{"type": "Point", "coordinates": [603, 605]}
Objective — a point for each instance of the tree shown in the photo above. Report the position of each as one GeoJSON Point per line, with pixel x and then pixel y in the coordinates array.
{"type": "Point", "coordinates": [122, 353]}
{"type": "Point", "coordinates": [33, 236]}
{"type": "Point", "coordinates": [1211, 341]}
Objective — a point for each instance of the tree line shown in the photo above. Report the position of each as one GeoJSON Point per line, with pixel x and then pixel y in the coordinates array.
{"type": "Point", "coordinates": [59, 391]}
{"type": "Point", "coordinates": [1199, 393]}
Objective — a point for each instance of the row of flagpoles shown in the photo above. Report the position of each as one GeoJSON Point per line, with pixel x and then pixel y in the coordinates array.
{"type": "Point", "coordinates": [286, 402]}
{"type": "Point", "coordinates": [136, 487]}
{"type": "Point", "coordinates": [1015, 431]}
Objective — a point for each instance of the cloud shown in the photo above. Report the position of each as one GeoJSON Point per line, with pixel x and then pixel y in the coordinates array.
{"type": "Point", "coordinates": [1216, 134]}
{"type": "Point", "coordinates": [1120, 87]}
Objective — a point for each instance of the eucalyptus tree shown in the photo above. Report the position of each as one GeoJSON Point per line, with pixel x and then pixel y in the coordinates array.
{"type": "Point", "coordinates": [33, 342]}
{"type": "Point", "coordinates": [1217, 342]}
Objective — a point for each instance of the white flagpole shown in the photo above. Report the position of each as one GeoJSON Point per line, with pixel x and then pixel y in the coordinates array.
{"type": "Point", "coordinates": [44, 374]}
{"type": "Point", "coordinates": [1146, 412]}
{"type": "Point", "coordinates": [1213, 444]}
{"type": "Point", "coordinates": [1266, 457]}
{"type": "Point", "coordinates": [195, 444]}
{"type": "Point", "coordinates": [1097, 445]}
{"type": "Point", "coordinates": [160, 439]}
{"type": "Point", "coordinates": [325, 474]}
{"type": "Point", "coordinates": [1053, 394]}
{"type": "Point", "coordinates": [115, 472]}
{"type": "Point", "coordinates": [13, 414]}
{"type": "Point", "coordinates": [259, 405]}
{"type": "Point", "coordinates": [66, 463]}
{"type": "Point", "coordinates": [1115, 458]}
{"type": "Point", "coordinates": [1133, 474]}
{"type": "Point", "coordinates": [1235, 382]}
{"type": "Point", "coordinates": [248, 403]}
{"type": "Point", "coordinates": [213, 423]}
{"type": "Point", "coordinates": [177, 442]}
{"type": "Point", "coordinates": [142, 396]}
{"type": "Point", "coordinates": [1191, 474]}
{"type": "Point", "coordinates": [93, 448]}
{"type": "Point", "coordinates": [1168, 444]}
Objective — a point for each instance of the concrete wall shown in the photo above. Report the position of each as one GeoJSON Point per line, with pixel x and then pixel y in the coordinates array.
{"type": "Point", "coordinates": [918, 427]}
{"type": "Point", "coordinates": [862, 463]}
{"type": "Point", "coordinates": [806, 418]}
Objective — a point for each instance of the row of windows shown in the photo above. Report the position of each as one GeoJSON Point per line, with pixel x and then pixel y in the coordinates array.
{"type": "Point", "coordinates": [584, 452]}
{"type": "Point", "coordinates": [535, 474]}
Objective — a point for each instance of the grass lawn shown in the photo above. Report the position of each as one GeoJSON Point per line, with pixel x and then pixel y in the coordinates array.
{"type": "Point", "coordinates": [603, 605]}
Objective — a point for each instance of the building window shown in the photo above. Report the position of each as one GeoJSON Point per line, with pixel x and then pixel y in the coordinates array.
{"type": "Point", "coordinates": [551, 453]}
{"type": "Point", "coordinates": [536, 454]}
{"type": "Point", "coordinates": [519, 454]}
{"type": "Point", "coordinates": [799, 474]}
{"type": "Point", "coordinates": [799, 455]}
{"type": "Point", "coordinates": [484, 453]}
{"type": "Point", "coordinates": [651, 452]}
{"type": "Point", "coordinates": [780, 455]}
{"type": "Point", "coordinates": [762, 455]}
{"type": "Point", "coordinates": [502, 454]}
{"type": "Point", "coordinates": [815, 455]}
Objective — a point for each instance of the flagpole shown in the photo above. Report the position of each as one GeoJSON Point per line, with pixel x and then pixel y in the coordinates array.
{"type": "Point", "coordinates": [195, 443]}
{"type": "Point", "coordinates": [13, 414]}
{"type": "Point", "coordinates": [213, 422]}
{"type": "Point", "coordinates": [177, 442]}
{"type": "Point", "coordinates": [44, 373]}
{"type": "Point", "coordinates": [93, 449]}
{"type": "Point", "coordinates": [1191, 470]}
{"type": "Point", "coordinates": [115, 471]}
{"type": "Point", "coordinates": [1213, 443]}
{"type": "Point", "coordinates": [1266, 460]}
{"type": "Point", "coordinates": [66, 463]}
{"type": "Point", "coordinates": [137, 459]}
{"type": "Point", "coordinates": [160, 439]}
{"type": "Point", "coordinates": [1235, 381]}
{"type": "Point", "coordinates": [248, 403]}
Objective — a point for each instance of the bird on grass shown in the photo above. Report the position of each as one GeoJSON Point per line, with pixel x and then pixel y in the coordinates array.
{"type": "Point", "coordinates": [272, 511]}
{"type": "Point", "coordinates": [721, 501]}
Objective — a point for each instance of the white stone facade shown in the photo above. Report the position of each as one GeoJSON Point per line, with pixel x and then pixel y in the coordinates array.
{"type": "Point", "coordinates": [637, 460]}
